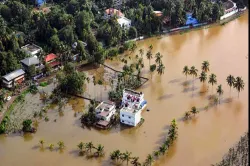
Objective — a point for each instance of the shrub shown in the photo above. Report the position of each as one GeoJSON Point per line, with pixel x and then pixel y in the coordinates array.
{"type": "Point", "coordinates": [43, 84]}
{"type": "Point", "coordinates": [27, 125]}
{"type": "Point", "coordinates": [113, 52]}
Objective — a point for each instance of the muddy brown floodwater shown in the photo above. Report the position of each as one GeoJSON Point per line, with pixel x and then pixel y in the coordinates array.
{"type": "Point", "coordinates": [201, 142]}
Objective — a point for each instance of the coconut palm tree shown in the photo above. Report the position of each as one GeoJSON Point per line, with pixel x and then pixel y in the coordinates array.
{"type": "Point", "coordinates": [167, 142]}
{"type": "Point", "coordinates": [152, 69]}
{"type": "Point", "coordinates": [141, 51]}
{"type": "Point", "coordinates": [133, 48]}
{"type": "Point", "coordinates": [100, 150]}
{"type": "Point", "coordinates": [126, 156]}
{"type": "Point", "coordinates": [193, 71]}
{"type": "Point", "coordinates": [149, 56]}
{"type": "Point", "coordinates": [194, 111]}
{"type": "Point", "coordinates": [185, 71]}
{"type": "Point", "coordinates": [41, 142]}
{"type": "Point", "coordinates": [203, 77]}
{"type": "Point", "coordinates": [163, 149]}
{"type": "Point", "coordinates": [88, 80]}
{"type": "Point", "coordinates": [205, 66]}
{"type": "Point", "coordinates": [115, 155]}
{"type": "Point", "coordinates": [230, 81]}
{"type": "Point", "coordinates": [135, 161]}
{"type": "Point", "coordinates": [158, 57]}
{"type": "Point", "coordinates": [61, 145]}
{"type": "Point", "coordinates": [89, 146]}
{"type": "Point", "coordinates": [239, 84]}
{"type": "Point", "coordinates": [100, 82]}
{"type": "Point", "coordinates": [94, 82]}
{"type": "Point", "coordinates": [149, 160]}
{"type": "Point", "coordinates": [81, 146]}
{"type": "Point", "coordinates": [172, 133]}
{"type": "Point", "coordinates": [156, 153]}
{"type": "Point", "coordinates": [51, 146]}
{"type": "Point", "coordinates": [187, 115]}
{"type": "Point", "coordinates": [160, 69]}
{"type": "Point", "coordinates": [212, 80]}
{"type": "Point", "coordinates": [219, 91]}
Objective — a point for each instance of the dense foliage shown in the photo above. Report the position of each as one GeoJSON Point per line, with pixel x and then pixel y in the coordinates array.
{"type": "Point", "coordinates": [78, 21]}
{"type": "Point", "coordinates": [71, 81]}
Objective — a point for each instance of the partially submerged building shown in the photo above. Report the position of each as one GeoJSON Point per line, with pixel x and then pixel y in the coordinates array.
{"type": "Point", "coordinates": [104, 112]}
{"type": "Point", "coordinates": [132, 105]}
{"type": "Point", "coordinates": [31, 49]}
{"type": "Point", "coordinates": [230, 8]}
{"type": "Point", "coordinates": [13, 78]}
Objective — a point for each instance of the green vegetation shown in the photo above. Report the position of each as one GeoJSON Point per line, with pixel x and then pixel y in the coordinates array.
{"type": "Point", "coordinates": [4, 124]}
{"type": "Point", "coordinates": [71, 81]}
{"type": "Point", "coordinates": [43, 84]}
{"type": "Point", "coordinates": [77, 21]}
{"type": "Point", "coordinates": [88, 147]}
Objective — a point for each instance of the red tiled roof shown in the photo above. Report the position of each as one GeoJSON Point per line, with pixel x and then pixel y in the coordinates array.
{"type": "Point", "coordinates": [112, 11]}
{"type": "Point", "coordinates": [50, 57]}
{"type": "Point", "coordinates": [55, 63]}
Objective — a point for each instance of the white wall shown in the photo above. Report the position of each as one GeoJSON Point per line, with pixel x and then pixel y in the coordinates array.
{"type": "Point", "coordinates": [228, 14]}
{"type": "Point", "coordinates": [129, 118]}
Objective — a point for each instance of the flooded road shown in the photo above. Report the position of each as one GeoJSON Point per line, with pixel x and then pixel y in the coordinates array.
{"type": "Point", "coordinates": [201, 141]}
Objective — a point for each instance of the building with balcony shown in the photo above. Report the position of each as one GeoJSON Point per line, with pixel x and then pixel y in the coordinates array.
{"type": "Point", "coordinates": [132, 105]}
{"type": "Point", "coordinates": [13, 78]}
{"type": "Point", "coordinates": [104, 112]}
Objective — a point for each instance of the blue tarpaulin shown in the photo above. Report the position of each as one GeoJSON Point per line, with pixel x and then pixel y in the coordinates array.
{"type": "Point", "coordinates": [191, 20]}
{"type": "Point", "coordinates": [40, 2]}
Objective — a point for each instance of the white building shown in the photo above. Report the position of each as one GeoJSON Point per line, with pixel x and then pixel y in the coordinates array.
{"type": "Point", "coordinates": [230, 8]}
{"type": "Point", "coordinates": [13, 78]}
{"type": "Point", "coordinates": [105, 110]}
{"type": "Point", "coordinates": [124, 22]}
{"type": "Point", "coordinates": [133, 103]}
{"type": "Point", "coordinates": [31, 49]}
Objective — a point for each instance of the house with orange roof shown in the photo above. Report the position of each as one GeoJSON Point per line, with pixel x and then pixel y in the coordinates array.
{"type": "Point", "coordinates": [52, 60]}
{"type": "Point", "coordinates": [111, 12]}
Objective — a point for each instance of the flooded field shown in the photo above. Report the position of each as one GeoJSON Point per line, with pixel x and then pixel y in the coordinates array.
{"type": "Point", "coordinates": [201, 142]}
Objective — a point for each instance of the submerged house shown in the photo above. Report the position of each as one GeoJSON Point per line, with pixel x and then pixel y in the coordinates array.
{"type": "Point", "coordinates": [230, 8]}
{"type": "Point", "coordinates": [13, 78]}
{"type": "Point", "coordinates": [104, 112]}
{"type": "Point", "coordinates": [132, 105]}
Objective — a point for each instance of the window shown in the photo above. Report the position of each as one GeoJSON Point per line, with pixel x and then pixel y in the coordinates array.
{"type": "Point", "coordinates": [122, 115]}
{"type": "Point", "coordinates": [129, 117]}
{"type": "Point", "coordinates": [122, 121]}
